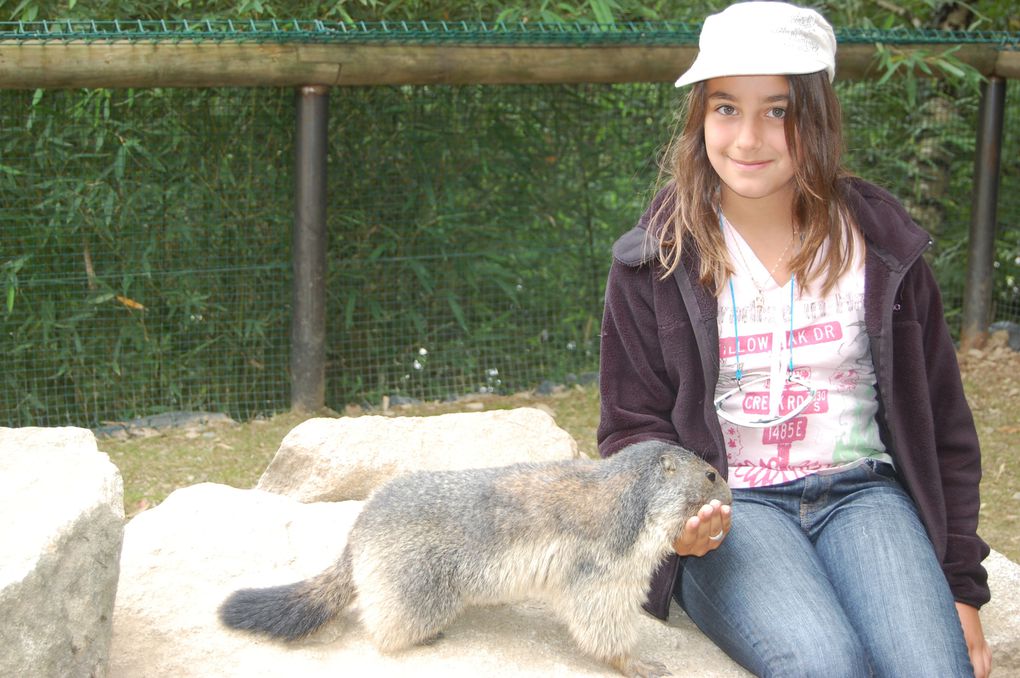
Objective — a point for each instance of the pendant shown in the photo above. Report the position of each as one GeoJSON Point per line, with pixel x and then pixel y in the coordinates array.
{"type": "Point", "coordinates": [759, 305]}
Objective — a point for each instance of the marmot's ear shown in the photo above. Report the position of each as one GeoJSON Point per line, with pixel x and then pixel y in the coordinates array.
{"type": "Point", "coordinates": [668, 464]}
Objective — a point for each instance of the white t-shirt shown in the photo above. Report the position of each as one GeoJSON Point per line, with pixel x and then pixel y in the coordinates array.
{"type": "Point", "coordinates": [830, 352]}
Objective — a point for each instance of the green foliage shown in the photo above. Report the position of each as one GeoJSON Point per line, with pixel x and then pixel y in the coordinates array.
{"type": "Point", "coordinates": [988, 14]}
{"type": "Point", "coordinates": [112, 230]}
{"type": "Point", "coordinates": [501, 203]}
{"type": "Point", "coordinates": [890, 14]}
{"type": "Point", "coordinates": [601, 11]}
{"type": "Point", "coordinates": [915, 65]}
{"type": "Point", "coordinates": [9, 272]}
{"type": "Point", "coordinates": [147, 242]}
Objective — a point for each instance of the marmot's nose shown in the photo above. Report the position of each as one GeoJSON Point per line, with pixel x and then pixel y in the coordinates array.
{"type": "Point", "coordinates": [710, 475]}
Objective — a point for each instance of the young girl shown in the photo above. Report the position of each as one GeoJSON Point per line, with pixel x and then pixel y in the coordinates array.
{"type": "Point", "coordinates": [777, 316]}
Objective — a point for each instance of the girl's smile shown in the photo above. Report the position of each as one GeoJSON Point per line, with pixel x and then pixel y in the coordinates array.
{"type": "Point", "coordinates": [751, 165]}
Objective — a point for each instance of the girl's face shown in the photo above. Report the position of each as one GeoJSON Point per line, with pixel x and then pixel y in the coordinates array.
{"type": "Point", "coordinates": [745, 136]}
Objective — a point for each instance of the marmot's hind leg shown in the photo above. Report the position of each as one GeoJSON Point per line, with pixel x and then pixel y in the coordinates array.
{"type": "Point", "coordinates": [395, 627]}
{"type": "Point", "coordinates": [410, 613]}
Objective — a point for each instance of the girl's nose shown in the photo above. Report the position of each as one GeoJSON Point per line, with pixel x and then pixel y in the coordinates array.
{"type": "Point", "coordinates": [749, 134]}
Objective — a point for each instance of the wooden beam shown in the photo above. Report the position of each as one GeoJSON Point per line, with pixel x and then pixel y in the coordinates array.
{"type": "Point", "coordinates": [1007, 65]}
{"type": "Point", "coordinates": [406, 64]}
{"type": "Point", "coordinates": [55, 66]}
{"type": "Point", "coordinates": [31, 65]}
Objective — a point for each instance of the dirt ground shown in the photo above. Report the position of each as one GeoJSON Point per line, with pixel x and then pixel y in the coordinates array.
{"type": "Point", "coordinates": [992, 381]}
{"type": "Point", "coordinates": [154, 463]}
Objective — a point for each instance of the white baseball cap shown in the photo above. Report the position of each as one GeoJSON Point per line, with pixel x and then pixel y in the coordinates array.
{"type": "Point", "coordinates": [763, 38]}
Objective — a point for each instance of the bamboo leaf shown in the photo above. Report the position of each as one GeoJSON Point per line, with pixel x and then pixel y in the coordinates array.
{"type": "Point", "coordinates": [458, 312]}
{"type": "Point", "coordinates": [603, 11]}
{"type": "Point", "coordinates": [951, 69]}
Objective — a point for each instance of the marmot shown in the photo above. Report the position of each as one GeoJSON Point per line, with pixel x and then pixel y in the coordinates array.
{"type": "Point", "coordinates": [584, 536]}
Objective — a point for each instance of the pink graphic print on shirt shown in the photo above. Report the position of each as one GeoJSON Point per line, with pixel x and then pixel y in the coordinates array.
{"type": "Point", "coordinates": [776, 469]}
{"type": "Point", "coordinates": [759, 467]}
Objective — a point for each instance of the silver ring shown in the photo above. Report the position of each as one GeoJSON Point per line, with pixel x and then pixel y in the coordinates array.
{"type": "Point", "coordinates": [717, 537]}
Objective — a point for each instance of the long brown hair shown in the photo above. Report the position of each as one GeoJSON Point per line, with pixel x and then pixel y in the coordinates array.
{"type": "Point", "coordinates": [689, 216]}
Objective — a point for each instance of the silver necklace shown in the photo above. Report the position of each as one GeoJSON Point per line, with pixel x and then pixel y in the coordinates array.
{"type": "Point", "coordinates": [759, 299]}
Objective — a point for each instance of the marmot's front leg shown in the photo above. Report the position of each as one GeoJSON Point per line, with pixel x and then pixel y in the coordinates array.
{"type": "Point", "coordinates": [603, 624]}
{"type": "Point", "coordinates": [639, 668]}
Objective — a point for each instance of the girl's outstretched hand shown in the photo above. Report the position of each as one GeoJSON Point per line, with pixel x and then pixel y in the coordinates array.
{"type": "Point", "coordinates": [704, 532]}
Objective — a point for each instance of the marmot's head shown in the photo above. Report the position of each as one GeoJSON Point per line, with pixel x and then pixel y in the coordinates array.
{"type": "Point", "coordinates": [676, 482]}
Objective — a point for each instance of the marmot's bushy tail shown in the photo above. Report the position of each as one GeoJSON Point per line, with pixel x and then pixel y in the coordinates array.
{"type": "Point", "coordinates": [293, 610]}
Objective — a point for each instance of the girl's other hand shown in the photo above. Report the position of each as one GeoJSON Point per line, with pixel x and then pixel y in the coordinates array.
{"type": "Point", "coordinates": [977, 646]}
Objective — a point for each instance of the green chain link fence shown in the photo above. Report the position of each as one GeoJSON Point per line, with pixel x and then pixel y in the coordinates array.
{"type": "Point", "coordinates": [145, 243]}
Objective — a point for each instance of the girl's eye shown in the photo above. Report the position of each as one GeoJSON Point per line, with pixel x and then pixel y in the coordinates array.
{"type": "Point", "coordinates": [725, 109]}
{"type": "Point", "coordinates": [777, 112]}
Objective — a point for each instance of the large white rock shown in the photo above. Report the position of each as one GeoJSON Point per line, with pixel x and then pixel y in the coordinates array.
{"type": "Point", "coordinates": [1001, 617]}
{"type": "Point", "coordinates": [61, 526]}
{"type": "Point", "coordinates": [182, 558]}
{"type": "Point", "coordinates": [340, 459]}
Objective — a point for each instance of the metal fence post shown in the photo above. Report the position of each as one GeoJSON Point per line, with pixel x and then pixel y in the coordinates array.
{"type": "Point", "coordinates": [977, 296]}
{"type": "Point", "coordinates": [308, 319]}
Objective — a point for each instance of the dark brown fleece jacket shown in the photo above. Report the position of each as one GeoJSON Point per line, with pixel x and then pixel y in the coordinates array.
{"type": "Point", "coordinates": [660, 364]}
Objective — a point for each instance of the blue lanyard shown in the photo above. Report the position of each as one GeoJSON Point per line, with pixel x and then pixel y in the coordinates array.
{"type": "Point", "coordinates": [736, 332]}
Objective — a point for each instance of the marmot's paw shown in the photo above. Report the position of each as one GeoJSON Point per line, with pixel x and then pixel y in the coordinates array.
{"type": "Point", "coordinates": [432, 640]}
{"type": "Point", "coordinates": [640, 668]}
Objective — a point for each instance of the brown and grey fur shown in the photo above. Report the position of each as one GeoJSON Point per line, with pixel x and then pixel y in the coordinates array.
{"type": "Point", "coordinates": [583, 536]}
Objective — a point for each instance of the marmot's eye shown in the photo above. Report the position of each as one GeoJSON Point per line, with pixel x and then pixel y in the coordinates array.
{"type": "Point", "coordinates": [711, 476]}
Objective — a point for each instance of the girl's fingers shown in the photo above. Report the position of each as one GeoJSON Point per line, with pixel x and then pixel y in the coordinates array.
{"type": "Point", "coordinates": [696, 537]}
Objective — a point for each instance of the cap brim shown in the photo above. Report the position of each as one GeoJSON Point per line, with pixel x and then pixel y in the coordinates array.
{"type": "Point", "coordinates": [698, 71]}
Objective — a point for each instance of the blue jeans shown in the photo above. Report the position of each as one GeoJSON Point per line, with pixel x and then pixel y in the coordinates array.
{"type": "Point", "coordinates": [830, 575]}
